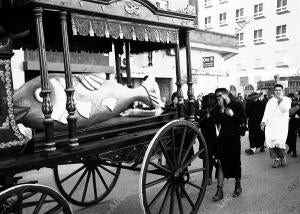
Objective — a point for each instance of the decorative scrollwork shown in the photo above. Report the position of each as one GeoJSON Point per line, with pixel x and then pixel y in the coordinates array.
{"type": "Point", "coordinates": [133, 9]}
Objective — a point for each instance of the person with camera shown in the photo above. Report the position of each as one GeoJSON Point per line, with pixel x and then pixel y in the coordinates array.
{"type": "Point", "coordinates": [275, 123]}
{"type": "Point", "coordinates": [228, 119]}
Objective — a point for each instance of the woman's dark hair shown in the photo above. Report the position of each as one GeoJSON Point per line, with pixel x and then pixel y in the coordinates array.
{"type": "Point", "coordinates": [209, 101]}
{"type": "Point", "coordinates": [173, 96]}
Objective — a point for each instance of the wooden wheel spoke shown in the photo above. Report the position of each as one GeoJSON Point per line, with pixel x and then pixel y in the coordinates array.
{"type": "Point", "coordinates": [165, 200]}
{"type": "Point", "coordinates": [77, 183]}
{"type": "Point", "coordinates": [172, 200]}
{"type": "Point", "coordinates": [55, 210]}
{"type": "Point", "coordinates": [25, 197]}
{"type": "Point", "coordinates": [161, 167]}
{"type": "Point", "coordinates": [179, 200]}
{"type": "Point", "coordinates": [187, 196]}
{"type": "Point", "coordinates": [40, 204]}
{"type": "Point", "coordinates": [182, 143]}
{"type": "Point", "coordinates": [107, 170]}
{"type": "Point", "coordinates": [152, 183]}
{"type": "Point", "coordinates": [195, 185]}
{"type": "Point", "coordinates": [192, 158]}
{"type": "Point", "coordinates": [188, 149]}
{"type": "Point", "coordinates": [72, 174]}
{"type": "Point", "coordinates": [86, 186]}
{"type": "Point", "coordinates": [94, 184]}
{"type": "Point", "coordinates": [102, 179]}
{"type": "Point", "coordinates": [173, 145]}
{"type": "Point", "coordinates": [196, 170]}
{"type": "Point", "coordinates": [163, 149]}
{"type": "Point", "coordinates": [158, 194]}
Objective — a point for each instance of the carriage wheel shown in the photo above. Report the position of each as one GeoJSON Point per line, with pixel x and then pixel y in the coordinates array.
{"type": "Point", "coordinates": [178, 183]}
{"type": "Point", "coordinates": [32, 198]}
{"type": "Point", "coordinates": [94, 176]}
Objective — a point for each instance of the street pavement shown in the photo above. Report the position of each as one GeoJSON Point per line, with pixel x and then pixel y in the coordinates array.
{"type": "Point", "coordinates": [265, 190]}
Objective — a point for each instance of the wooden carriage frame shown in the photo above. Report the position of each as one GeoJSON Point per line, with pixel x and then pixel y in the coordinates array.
{"type": "Point", "coordinates": [170, 134]}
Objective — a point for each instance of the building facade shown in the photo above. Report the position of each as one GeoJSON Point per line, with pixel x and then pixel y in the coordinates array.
{"type": "Point", "coordinates": [268, 35]}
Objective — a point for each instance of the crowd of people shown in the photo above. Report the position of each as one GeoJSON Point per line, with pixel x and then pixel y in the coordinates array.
{"type": "Point", "coordinates": [223, 118]}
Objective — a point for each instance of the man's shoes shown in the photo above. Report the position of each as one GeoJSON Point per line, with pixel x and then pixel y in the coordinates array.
{"type": "Point", "coordinates": [294, 155]}
{"type": "Point", "coordinates": [237, 191]}
{"type": "Point", "coordinates": [289, 151]}
{"type": "Point", "coordinates": [283, 161]}
{"type": "Point", "coordinates": [262, 149]}
{"type": "Point", "coordinates": [276, 163]}
{"type": "Point", "coordinates": [249, 151]}
{"type": "Point", "coordinates": [209, 181]}
{"type": "Point", "coordinates": [219, 194]}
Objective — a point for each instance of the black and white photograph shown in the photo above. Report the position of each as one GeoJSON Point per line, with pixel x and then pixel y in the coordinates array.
{"type": "Point", "coordinates": [149, 106]}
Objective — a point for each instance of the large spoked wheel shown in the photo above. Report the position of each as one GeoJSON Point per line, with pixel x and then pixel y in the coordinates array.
{"type": "Point", "coordinates": [32, 198]}
{"type": "Point", "coordinates": [87, 182]}
{"type": "Point", "coordinates": [176, 184]}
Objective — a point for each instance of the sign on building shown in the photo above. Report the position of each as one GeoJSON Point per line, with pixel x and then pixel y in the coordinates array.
{"type": "Point", "coordinates": [243, 81]}
{"type": "Point", "coordinates": [208, 62]}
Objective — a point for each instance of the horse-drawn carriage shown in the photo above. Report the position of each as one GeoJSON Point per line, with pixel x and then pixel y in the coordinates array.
{"type": "Point", "coordinates": [87, 160]}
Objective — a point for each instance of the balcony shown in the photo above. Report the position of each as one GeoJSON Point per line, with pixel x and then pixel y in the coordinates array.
{"type": "Point", "coordinates": [241, 43]}
{"type": "Point", "coordinates": [259, 15]}
{"type": "Point", "coordinates": [223, 23]}
{"type": "Point", "coordinates": [240, 19]}
{"type": "Point", "coordinates": [258, 41]}
{"type": "Point", "coordinates": [281, 37]}
{"type": "Point", "coordinates": [208, 26]}
{"type": "Point", "coordinates": [223, 1]}
{"type": "Point", "coordinates": [207, 4]}
{"type": "Point", "coordinates": [281, 10]}
{"type": "Point", "coordinates": [281, 64]}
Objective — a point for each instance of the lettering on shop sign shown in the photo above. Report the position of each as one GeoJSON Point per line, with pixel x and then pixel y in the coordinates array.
{"type": "Point", "coordinates": [208, 62]}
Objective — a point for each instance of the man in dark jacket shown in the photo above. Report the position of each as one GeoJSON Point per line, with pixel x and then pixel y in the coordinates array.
{"type": "Point", "coordinates": [255, 109]}
{"type": "Point", "coordinates": [229, 118]}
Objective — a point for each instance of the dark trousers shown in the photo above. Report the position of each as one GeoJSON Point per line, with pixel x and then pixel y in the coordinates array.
{"type": "Point", "coordinates": [256, 138]}
{"type": "Point", "coordinates": [292, 135]}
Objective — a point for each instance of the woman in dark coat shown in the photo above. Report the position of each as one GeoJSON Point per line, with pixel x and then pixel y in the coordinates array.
{"type": "Point", "coordinates": [255, 109]}
{"type": "Point", "coordinates": [207, 124]}
{"type": "Point", "coordinates": [228, 120]}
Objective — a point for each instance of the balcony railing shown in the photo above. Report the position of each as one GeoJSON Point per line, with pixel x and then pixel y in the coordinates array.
{"type": "Point", "coordinates": [282, 9]}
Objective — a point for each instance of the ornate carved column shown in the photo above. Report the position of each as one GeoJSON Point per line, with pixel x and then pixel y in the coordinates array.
{"type": "Point", "coordinates": [180, 106]}
{"type": "Point", "coordinates": [191, 98]}
{"type": "Point", "coordinates": [128, 70]}
{"type": "Point", "coordinates": [45, 92]}
{"type": "Point", "coordinates": [118, 63]}
{"type": "Point", "coordinates": [70, 105]}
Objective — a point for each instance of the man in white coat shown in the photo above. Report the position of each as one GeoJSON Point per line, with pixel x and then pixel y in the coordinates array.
{"type": "Point", "coordinates": [275, 122]}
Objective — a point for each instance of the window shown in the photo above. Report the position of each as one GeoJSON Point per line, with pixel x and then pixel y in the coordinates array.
{"type": "Point", "coordinates": [240, 39]}
{"type": "Point", "coordinates": [207, 3]}
{"type": "Point", "coordinates": [208, 22]}
{"type": "Point", "coordinates": [162, 4]}
{"type": "Point", "coordinates": [258, 39]}
{"type": "Point", "coordinates": [281, 6]}
{"type": "Point", "coordinates": [258, 63]}
{"type": "Point", "coordinates": [258, 10]}
{"type": "Point", "coordinates": [223, 19]}
{"type": "Point", "coordinates": [281, 59]}
{"type": "Point", "coordinates": [239, 14]}
{"type": "Point", "coordinates": [281, 32]}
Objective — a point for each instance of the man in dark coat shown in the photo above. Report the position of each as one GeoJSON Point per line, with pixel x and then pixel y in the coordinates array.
{"type": "Point", "coordinates": [255, 109]}
{"type": "Point", "coordinates": [228, 120]}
